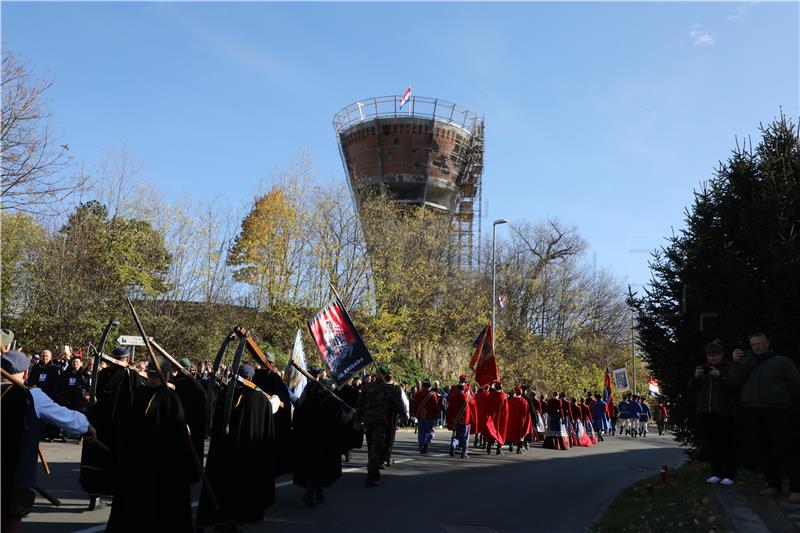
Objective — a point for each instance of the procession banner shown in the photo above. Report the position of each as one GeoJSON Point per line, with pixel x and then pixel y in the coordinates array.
{"type": "Point", "coordinates": [608, 390]}
{"type": "Point", "coordinates": [621, 378]}
{"type": "Point", "coordinates": [339, 343]}
{"type": "Point", "coordinates": [653, 388]}
{"type": "Point", "coordinates": [295, 379]}
{"type": "Point", "coordinates": [483, 362]}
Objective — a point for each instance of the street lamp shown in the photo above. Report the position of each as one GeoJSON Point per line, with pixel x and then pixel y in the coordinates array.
{"type": "Point", "coordinates": [494, 287]}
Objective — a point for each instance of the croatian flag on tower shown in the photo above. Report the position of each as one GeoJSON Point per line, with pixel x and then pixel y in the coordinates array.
{"type": "Point", "coordinates": [405, 97]}
{"type": "Point", "coordinates": [501, 300]}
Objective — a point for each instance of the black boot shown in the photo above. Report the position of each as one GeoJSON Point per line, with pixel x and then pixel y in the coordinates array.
{"type": "Point", "coordinates": [499, 451]}
{"type": "Point", "coordinates": [488, 448]}
{"type": "Point", "coordinates": [308, 497]}
{"type": "Point", "coordinates": [519, 448]}
{"type": "Point", "coordinates": [320, 495]}
{"type": "Point", "coordinates": [452, 451]}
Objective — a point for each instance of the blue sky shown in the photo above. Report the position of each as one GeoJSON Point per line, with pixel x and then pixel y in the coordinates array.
{"type": "Point", "coordinates": [604, 115]}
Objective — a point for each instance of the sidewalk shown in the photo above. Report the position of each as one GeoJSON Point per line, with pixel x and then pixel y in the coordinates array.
{"type": "Point", "coordinates": [749, 512]}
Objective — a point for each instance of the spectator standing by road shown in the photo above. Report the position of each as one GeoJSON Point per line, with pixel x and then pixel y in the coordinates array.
{"type": "Point", "coordinates": [716, 399]}
{"type": "Point", "coordinates": [770, 396]}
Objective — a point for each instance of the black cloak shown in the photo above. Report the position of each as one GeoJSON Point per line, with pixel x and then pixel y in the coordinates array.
{"type": "Point", "coordinates": [241, 463]}
{"type": "Point", "coordinates": [153, 485]}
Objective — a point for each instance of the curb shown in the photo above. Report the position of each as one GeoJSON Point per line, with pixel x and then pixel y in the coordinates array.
{"type": "Point", "coordinates": [742, 517]}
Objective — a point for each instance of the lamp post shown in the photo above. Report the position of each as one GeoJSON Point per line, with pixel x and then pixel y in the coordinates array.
{"type": "Point", "coordinates": [494, 287]}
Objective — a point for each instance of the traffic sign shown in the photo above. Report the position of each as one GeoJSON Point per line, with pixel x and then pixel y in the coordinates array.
{"type": "Point", "coordinates": [131, 340]}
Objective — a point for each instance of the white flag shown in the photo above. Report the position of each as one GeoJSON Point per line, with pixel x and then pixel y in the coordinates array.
{"type": "Point", "coordinates": [296, 380]}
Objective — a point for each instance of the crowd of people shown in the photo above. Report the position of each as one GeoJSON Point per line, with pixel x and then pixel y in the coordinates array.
{"type": "Point", "coordinates": [138, 452]}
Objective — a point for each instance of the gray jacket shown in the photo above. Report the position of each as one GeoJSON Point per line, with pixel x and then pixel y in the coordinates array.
{"type": "Point", "coordinates": [767, 381]}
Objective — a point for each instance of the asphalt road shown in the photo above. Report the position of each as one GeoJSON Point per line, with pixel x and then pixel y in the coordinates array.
{"type": "Point", "coordinates": [540, 490]}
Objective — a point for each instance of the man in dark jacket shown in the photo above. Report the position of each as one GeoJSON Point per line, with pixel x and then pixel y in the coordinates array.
{"type": "Point", "coordinates": [716, 411]}
{"type": "Point", "coordinates": [771, 399]}
{"type": "Point", "coordinates": [73, 386]}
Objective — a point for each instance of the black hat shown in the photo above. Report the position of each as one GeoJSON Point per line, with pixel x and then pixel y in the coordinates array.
{"type": "Point", "coordinates": [315, 371]}
{"type": "Point", "coordinates": [15, 362]}
{"type": "Point", "coordinates": [121, 352]}
{"type": "Point", "coordinates": [247, 371]}
{"type": "Point", "coordinates": [166, 366]}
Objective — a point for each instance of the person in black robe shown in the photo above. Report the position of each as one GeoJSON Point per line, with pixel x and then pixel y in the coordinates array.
{"type": "Point", "coordinates": [272, 383]}
{"type": "Point", "coordinates": [241, 462]}
{"type": "Point", "coordinates": [351, 437]}
{"type": "Point", "coordinates": [193, 401]}
{"type": "Point", "coordinates": [153, 487]}
{"type": "Point", "coordinates": [318, 422]}
{"type": "Point", "coordinates": [110, 416]}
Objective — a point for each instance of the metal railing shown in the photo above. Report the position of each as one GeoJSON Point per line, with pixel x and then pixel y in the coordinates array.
{"type": "Point", "coordinates": [416, 106]}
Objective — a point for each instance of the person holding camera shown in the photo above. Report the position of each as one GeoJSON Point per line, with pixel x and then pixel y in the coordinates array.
{"type": "Point", "coordinates": [717, 398]}
{"type": "Point", "coordinates": [771, 399]}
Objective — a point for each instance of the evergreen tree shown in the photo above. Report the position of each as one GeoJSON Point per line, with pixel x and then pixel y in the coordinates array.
{"type": "Point", "coordinates": [734, 269]}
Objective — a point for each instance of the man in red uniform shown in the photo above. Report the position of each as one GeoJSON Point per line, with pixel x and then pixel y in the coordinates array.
{"type": "Point", "coordinates": [480, 421]}
{"type": "Point", "coordinates": [462, 413]}
{"type": "Point", "coordinates": [519, 420]}
{"type": "Point", "coordinates": [425, 407]}
{"type": "Point", "coordinates": [495, 418]}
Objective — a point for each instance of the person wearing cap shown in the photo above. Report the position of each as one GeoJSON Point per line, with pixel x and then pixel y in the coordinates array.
{"type": "Point", "coordinates": [24, 413]}
{"type": "Point", "coordinates": [519, 420]}
{"type": "Point", "coordinates": [318, 425]}
{"type": "Point", "coordinates": [378, 403]}
{"type": "Point", "coordinates": [270, 381]}
{"type": "Point", "coordinates": [110, 414]}
{"type": "Point", "coordinates": [193, 400]}
{"type": "Point", "coordinates": [73, 386]}
{"type": "Point", "coordinates": [425, 407]}
{"type": "Point", "coordinates": [495, 418]}
{"type": "Point", "coordinates": [462, 412]}
{"type": "Point", "coordinates": [240, 465]}
{"type": "Point", "coordinates": [153, 483]}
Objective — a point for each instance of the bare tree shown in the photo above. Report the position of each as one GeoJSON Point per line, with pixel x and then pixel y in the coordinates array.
{"type": "Point", "coordinates": [35, 170]}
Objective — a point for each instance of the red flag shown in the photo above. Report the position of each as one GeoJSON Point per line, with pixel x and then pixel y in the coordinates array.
{"type": "Point", "coordinates": [608, 390]}
{"type": "Point", "coordinates": [483, 361]}
{"type": "Point", "coordinates": [339, 342]}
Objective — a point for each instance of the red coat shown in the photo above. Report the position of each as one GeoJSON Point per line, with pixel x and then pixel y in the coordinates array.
{"type": "Point", "coordinates": [495, 416]}
{"type": "Point", "coordinates": [480, 404]}
{"type": "Point", "coordinates": [555, 408]}
{"type": "Point", "coordinates": [565, 408]}
{"type": "Point", "coordinates": [461, 404]}
{"type": "Point", "coordinates": [519, 419]}
{"type": "Point", "coordinates": [586, 411]}
{"type": "Point", "coordinates": [425, 405]}
{"type": "Point", "coordinates": [537, 405]}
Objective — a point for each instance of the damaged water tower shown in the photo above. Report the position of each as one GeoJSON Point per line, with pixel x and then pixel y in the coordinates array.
{"type": "Point", "coordinates": [429, 152]}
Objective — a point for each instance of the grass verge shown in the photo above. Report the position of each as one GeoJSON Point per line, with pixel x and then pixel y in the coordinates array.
{"type": "Point", "coordinates": [683, 503]}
